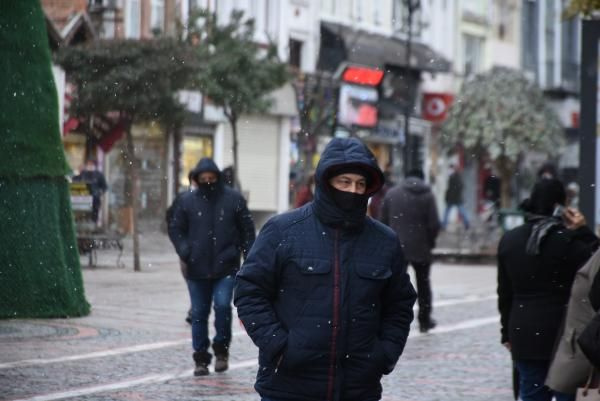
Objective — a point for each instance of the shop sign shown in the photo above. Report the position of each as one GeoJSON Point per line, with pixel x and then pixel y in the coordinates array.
{"type": "Point", "coordinates": [362, 76]}
{"type": "Point", "coordinates": [436, 106]}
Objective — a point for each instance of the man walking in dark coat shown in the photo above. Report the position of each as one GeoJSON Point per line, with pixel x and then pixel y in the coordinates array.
{"type": "Point", "coordinates": [96, 184]}
{"type": "Point", "coordinates": [324, 292]}
{"type": "Point", "coordinates": [454, 198]}
{"type": "Point", "coordinates": [410, 210]}
{"type": "Point", "coordinates": [210, 227]}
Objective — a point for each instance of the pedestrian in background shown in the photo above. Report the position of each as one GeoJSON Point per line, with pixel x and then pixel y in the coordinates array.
{"type": "Point", "coordinates": [169, 217]}
{"type": "Point", "coordinates": [211, 226]}
{"type": "Point", "coordinates": [306, 192]}
{"type": "Point", "coordinates": [96, 184]}
{"type": "Point", "coordinates": [229, 177]}
{"type": "Point", "coordinates": [537, 262]}
{"type": "Point", "coordinates": [410, 210]}
{"type": "Point", "coordinates": [324, 293]}
{"type": "Point", "coordinates": [454, 197]}
{"type": "Point", "coordinates": [377, 199]}
{"type": "Point", "coordinates": [547, 171]}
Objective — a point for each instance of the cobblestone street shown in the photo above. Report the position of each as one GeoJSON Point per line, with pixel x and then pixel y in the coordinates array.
{"type": "Point", "coordinates": [135, 344]}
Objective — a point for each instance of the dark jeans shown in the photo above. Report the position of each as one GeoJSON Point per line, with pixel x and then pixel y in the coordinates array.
{"type": "Point", "coordinates": [424, 297]}
{"type": "Point", "coordinates": [532, 375]}
{"type": "Point", "coordinates": [202, 294]}
{"type": "Point", "coordinates": [96, 202]}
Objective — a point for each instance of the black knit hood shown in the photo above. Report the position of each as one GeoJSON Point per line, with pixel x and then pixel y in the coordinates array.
{"type": "Point", "coordinates": [341, 153]}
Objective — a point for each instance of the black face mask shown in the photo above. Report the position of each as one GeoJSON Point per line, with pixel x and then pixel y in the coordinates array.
{"type": "Point", "coordinates": [207, 188]}
{"type": "Point", "coordinates": [349, 201]}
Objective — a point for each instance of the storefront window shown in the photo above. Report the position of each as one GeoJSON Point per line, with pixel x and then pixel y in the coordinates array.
{"type": "Point", "coordinates": [194, 148]}
{"type": "Point", "coordinates": [74, 146]}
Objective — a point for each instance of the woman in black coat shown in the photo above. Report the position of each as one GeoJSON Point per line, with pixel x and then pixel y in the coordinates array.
{"type": "Point", "coordinates": [537, 262]}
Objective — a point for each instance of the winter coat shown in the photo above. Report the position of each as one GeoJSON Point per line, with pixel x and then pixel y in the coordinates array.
{"type": "Point", "coordinates": [533, 290]}
{"type": "Point", "coordinates": [210, 229]}
{"type": "Point", "coordinates": [570, 368]}
{"type": "Point", "coordinates": [454, 192]}
{"type": "Point", "coordinates": [410, 210]}
{"type": "Point", "coordinates": [328, 303]}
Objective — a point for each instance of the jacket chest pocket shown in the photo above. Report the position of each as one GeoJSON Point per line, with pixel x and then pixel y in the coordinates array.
{"type": "Point", "coordinates": [371, 271]}
{"type": "Point", "coordinates": [310, 278]}
{"type": "Point", "coordinates": [372, 278]}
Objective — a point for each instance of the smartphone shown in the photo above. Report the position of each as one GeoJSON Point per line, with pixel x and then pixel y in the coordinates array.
{"type": "Point", "coordinates": [558, 211]}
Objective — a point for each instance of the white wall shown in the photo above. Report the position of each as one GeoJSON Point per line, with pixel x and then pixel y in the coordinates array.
{"type": "Point", "coordinates": [258, 152]}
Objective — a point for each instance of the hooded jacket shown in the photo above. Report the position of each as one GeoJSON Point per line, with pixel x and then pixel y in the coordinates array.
{"type": "Point", "coordinates": [210, 227]}
{"type": "Point", "coordinates": [325, 296]}
{"type": "Point", "coordinates": [410, 210]}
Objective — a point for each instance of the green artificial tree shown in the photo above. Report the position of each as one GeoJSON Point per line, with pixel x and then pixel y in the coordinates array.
{"type": "Point", "coordinates": [502, 113]}
{"type": "Point", "coordinates": [139, 81]}
{"type": "Point", "coordinates": [40, 275]}
{"type": "Point", "coordinates": [237, 73]}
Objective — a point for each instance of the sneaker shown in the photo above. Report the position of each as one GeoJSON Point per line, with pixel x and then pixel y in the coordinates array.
{"type": "Point", "coordinates": [424, 327]}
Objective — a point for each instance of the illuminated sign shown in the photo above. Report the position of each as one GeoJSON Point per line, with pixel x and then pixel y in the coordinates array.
{"type": "Point", "coordinates": [362, 76]}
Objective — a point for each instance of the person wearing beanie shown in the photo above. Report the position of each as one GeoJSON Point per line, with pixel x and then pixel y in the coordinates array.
{"type": "Point", "coordinates": [40, 270]}
{"type": "Point", "coordinates": [324, 292]}
{"type": "Point", "coordinates": [210, 227]}
{"type": "Point", "coordinates": [537, 263]}
{"type": "Point", "coordinates": [410, 210]}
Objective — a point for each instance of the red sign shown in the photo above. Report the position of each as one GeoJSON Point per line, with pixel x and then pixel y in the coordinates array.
{"type": "Point", "coordinates": [362, 76]}
{"type": "Point", "coordinates": [436, 105]}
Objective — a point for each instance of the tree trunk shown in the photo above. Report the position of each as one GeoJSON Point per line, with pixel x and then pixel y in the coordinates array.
{"type": "Point", "coordinates": [133, 198]}
{"type": "Point", "coordinates": [234, 148]}
{"type": "Point", "coordinates": [505, 169]}
{"type": "Point", "coordinates": [177, 159]}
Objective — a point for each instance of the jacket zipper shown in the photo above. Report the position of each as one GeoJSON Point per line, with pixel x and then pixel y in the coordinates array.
{"type": "Point", "coordinates": [336, 317]}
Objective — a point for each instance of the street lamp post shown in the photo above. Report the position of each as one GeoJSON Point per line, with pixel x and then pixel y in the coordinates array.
{"type": "Point", "coordinates": [410, 6]}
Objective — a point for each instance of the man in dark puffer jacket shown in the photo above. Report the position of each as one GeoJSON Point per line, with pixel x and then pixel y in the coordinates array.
{"type": "Point", "coordinates": [210, 227]}
{"type": "Point", "coordinates": [324, 293]}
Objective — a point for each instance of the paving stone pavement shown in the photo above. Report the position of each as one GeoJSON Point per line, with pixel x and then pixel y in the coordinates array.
{"type": "Point", "coordinates": [135, 345]}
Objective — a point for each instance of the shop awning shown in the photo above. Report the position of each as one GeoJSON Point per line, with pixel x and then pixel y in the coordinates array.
{"type": "Point", "coordinates": [341, 43]}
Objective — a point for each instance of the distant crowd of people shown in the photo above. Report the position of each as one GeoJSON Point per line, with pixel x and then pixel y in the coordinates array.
{"type": "Point", "coordinates": [324, 291]}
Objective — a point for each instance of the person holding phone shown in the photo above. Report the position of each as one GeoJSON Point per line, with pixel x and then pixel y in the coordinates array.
{"type": "Point", "coordinates": [537, 263]}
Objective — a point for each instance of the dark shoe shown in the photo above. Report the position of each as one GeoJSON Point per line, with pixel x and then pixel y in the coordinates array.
{"type": "Point", "coordinates": [424, 327]}
{"type": "Point", "coordinates": [202, 360]}
{"type": "Point", "coordinates": [221, 357]}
